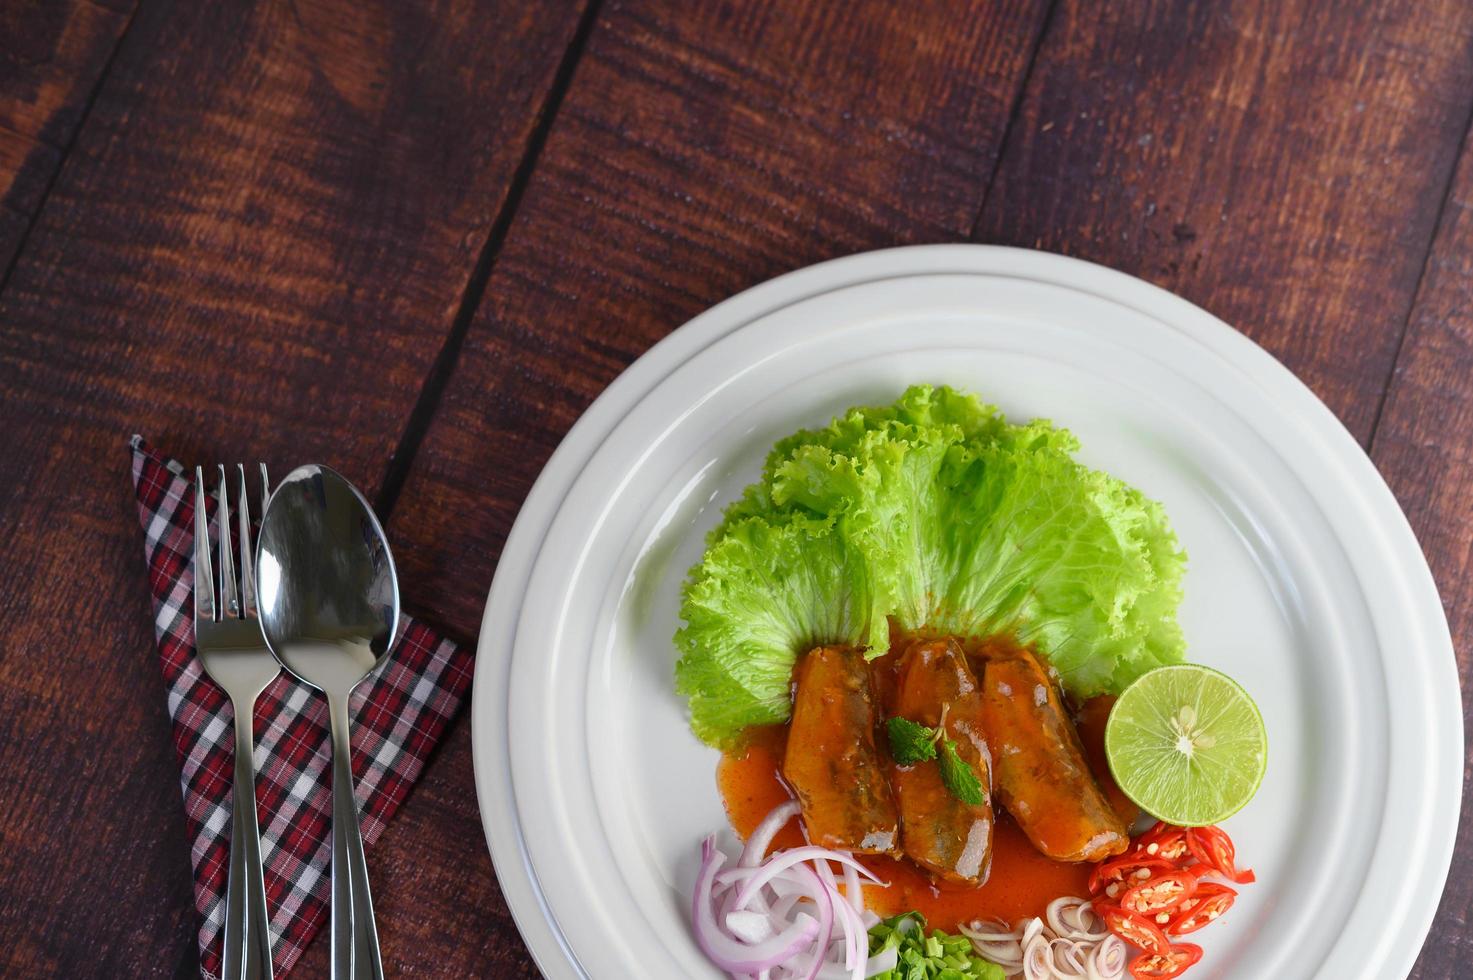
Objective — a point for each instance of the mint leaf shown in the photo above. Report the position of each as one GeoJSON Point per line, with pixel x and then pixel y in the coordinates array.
{"type": "Point", "coordinates": [958, 776]}
{"type": "Point", "coordinates": [911, 742]}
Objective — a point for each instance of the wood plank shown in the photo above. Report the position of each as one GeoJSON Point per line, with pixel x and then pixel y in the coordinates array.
{"type": "Point", "coordinates": [1424, 448]}
{"type": "Point", "coordinates": [1285, 169]}
{"type": "Point", "coordinates": [26, 166]}
{"type": "Point", "coordinates": [256, 248]}
{"type": "Point", "coordinates": [1280, 164]}
{"type": "Point", "coordinates": [689, 199]}
{"type": "Point", "coordinates": [51, 56]}
{"type": "Point", "coordinates": [700, 149]}
{"type": "Point", "coordinates": [697, 153]}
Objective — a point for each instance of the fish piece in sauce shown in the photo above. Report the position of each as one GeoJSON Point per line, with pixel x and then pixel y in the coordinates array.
{"type": "Point", "coordinates": [831, 759]}
{"type": "Point", "coordinates": [1038, 764]}
{"type": "Point", "coordinates": [949, 838]}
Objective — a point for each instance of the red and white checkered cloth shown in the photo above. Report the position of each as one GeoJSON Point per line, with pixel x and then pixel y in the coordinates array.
{"type": "Point", "coordinates": [398, 716]}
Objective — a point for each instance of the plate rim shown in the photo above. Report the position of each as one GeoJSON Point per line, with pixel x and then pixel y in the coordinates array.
{"type": "Point", "coordinates": [491, 755]}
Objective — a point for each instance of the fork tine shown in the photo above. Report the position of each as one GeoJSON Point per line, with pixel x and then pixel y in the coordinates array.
{"type": "Point", "coordinates": [247, 556]}
{"type": "Point", "coordinates": [204, 579]}
{"type": "Point", "coordinates": [265, 489]}
{"type": "Point", "coordinates": [229, 599]}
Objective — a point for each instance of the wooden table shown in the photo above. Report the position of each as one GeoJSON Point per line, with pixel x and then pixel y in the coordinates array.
{"type": "Point", "coordinates": [417, 239]}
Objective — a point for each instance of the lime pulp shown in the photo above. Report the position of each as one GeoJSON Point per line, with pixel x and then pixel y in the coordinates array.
{"type": "Point", "coordinates": [1187, 744]}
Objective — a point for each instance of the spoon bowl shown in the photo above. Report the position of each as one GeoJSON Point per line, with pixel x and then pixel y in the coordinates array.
{"type": "Point", "coordinates": [329, 606]}
{"type": "Point", "coordinates": [329, 593]}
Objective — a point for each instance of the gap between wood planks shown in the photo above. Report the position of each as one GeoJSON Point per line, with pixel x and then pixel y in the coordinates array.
{"type": "Point", "coordinates": [428, 401]}
{"type": "Point", "coordinates": [430, 393]}
{"type": "Point", "coordinates": [1416, 293]}
{"type": "Point", "coordinates": [1014, 112]}
{"type": "Point", "coordinates": [66, 149]}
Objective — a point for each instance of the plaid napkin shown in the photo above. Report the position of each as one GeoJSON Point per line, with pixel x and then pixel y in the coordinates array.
{"type": "Point", "coordinates": [398, 716]}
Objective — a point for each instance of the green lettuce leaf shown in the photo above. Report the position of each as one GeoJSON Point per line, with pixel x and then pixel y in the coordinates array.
{"type": "Point", "coordinates": [766, 591]}
{"type": "Point", "coordinates": [938, 513]}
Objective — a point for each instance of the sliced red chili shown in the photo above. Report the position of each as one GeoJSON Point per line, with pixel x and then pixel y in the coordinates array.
{"type": "Point", "coordinates": [1171, 846]}
{"type": "Point", "coordinates": [1163, 966]}
{"type": "Point", "coordinates": [1124, 869]}
{"type": "Point", "coordinates": [1158, 829]}
{"type": "Point", "coordinates": [1161, 893]}
{"type": "Point", "coordinates": [1214, 848]}
{"type": "Point", "coordinates": [1135, 929]}
{"type": "Point", "coordinates": [1210, 902]}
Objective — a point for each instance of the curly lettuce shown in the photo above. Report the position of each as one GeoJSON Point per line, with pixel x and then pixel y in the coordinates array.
{"type": "Point", "coordinates": [938, 513]}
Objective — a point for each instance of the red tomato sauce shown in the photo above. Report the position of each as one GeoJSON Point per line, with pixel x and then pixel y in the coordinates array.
{"type": "Point", "coordinates": [1021, 884]}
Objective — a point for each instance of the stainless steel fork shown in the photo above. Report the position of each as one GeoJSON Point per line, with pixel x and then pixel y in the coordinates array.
{"type": "Point", "coordinates": [228, 636]}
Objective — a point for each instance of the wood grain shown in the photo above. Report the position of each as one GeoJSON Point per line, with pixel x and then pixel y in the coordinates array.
{"type": "Point", "coordinates": [256, 247]}
{"type": "Point", "coordinates": [51, 56]}
{"type": "Point", "coordinates": [699, 150]}
{"type": "Point", "coordinates": [1284, 166]}
{"type": "Point", "coordinates": [697, 154]}
{"type": "Point", "coordinates": [1280, 164]}
{"type": "Point", "coordinates": [299, 194]}
{"type": "Point", "coordinates": [1424, 448]}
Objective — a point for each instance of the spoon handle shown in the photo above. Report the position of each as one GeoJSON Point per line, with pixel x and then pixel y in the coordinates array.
{"type": "Point", "coordinates": [247, 927]}
{"type": "Point", "coordinates": [355, 952]}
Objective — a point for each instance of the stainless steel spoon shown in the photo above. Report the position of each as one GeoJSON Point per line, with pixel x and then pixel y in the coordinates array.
{"type": "Point", "coordinates": [329, 601]}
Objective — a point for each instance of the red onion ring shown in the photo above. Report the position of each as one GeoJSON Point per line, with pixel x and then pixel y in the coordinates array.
{"type": "Point", "coordinates": [728, 952]}
{"type": "Point", "coordinates": [761, 838]}
{"type": "Point", "coordinates": [784, 916]}
{"type": "Point", "coordinates": [794, 856]}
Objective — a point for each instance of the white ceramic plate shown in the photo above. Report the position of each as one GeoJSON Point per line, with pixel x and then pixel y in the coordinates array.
{"type": "Point", "coordinates": [1305, 583]}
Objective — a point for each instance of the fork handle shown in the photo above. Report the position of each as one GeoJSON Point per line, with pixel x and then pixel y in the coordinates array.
{"type": "Point", "coordinates": [355, 950]}
{"type": "Point", "coordinates": [247, 926]}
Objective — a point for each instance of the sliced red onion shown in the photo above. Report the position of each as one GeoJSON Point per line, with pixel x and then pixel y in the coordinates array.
{"type": "Point", "coordinates": [1038, 959]}
{"type": "Point", "coordinates": [731, 876]}
{"type": "Point", "coordinates": [1068, 959]}
{"type": "Point", "coordinates": [989, 931]}
{"type": "Point", "coordinates": [785, 916]}
{"type": "Point", "coordinates": [887, 960]}
{"type": "Point", "coordinates": [749, 927]}
{"type": "Point", "coordinates": [728, 952]}
{"type": "Point", "coordinates": [1075, 918]}
{"type": "Point", "coordinates": [1067, 943]}
{"type": "Point", "coordinates": [855, 935]}
{"type": "Point", "coordinates": [1108, 961]}
{"type": "Point", "coordinates": [825, 903]}
{"type": "Point", "coordinates": [782, 906]}
{"type": "Point", "coordinates": [859, 936]}
{"type": "Point", "coordinates": [853, 890]}
{"type": "Point", "coordinates": [761, 839]}
{"type": "Point", "coordinates": [796, 856]}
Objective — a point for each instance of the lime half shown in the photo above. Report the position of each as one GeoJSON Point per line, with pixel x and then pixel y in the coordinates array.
{"type": "Point", "coordinates": [1187, 744]}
